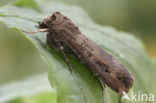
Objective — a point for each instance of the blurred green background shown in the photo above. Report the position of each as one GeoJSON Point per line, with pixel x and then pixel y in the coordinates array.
{"type": "Point", "coordinates": [134, 16]}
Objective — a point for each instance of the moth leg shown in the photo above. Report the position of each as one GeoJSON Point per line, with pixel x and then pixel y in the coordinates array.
{"type": "Point", "coordinates": [56, 44]}
{"type": "Point", "coordinates": [102, 84]}
{"type": "Point", "coordinates": [61, 48]}
{"type": "Point", "coordinates": [120, 99]}
{"type": "Point", "coordinates": [52, 41]}
{"type": "Point", "coordinates": [67, 49]}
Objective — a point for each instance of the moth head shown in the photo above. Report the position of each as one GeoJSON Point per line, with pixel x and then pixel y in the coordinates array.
{"type": "Point", "coordinates": [55, 19]}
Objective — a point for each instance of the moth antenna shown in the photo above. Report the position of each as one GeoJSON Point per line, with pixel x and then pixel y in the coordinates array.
{"type": "Point", "coordinates": [40, 30]}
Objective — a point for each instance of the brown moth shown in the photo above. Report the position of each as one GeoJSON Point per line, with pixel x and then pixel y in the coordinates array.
{"type": "Point", "coordinates": [64, 36]}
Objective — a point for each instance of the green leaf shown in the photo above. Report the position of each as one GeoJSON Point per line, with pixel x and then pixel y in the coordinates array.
{"type": "Point", "coordinates": [81, 86]}
{"type": "Point", "coordinates": [43, 97]}
{"type": "Point", "coordinates": [23, 91]}
{"type": "Point", "coordinates": [27, 3]}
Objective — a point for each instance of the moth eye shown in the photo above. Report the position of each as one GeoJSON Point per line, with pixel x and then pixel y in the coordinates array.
{"type": "Point", "coordinates": [42, 25]}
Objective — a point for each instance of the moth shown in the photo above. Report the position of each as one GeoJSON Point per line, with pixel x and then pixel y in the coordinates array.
{"type": "Point", "coordinates": [64, 36]}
